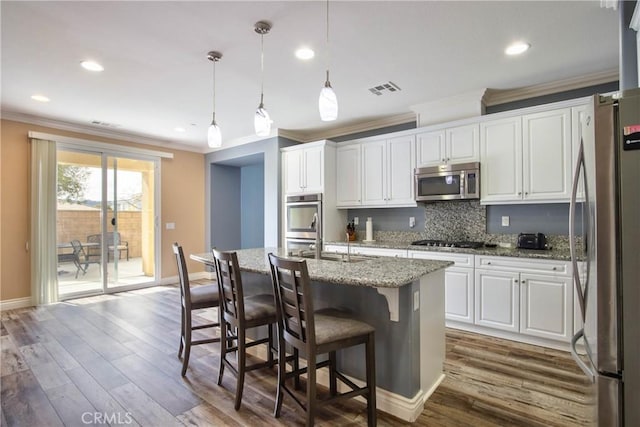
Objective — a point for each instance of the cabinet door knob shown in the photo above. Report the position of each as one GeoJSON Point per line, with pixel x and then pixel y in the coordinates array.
{"type": "Point", "coordinates": [526, 193]}
{"type": "Point", "coordinates": [519, 193]}
{"type": "Point", "coordinates": [523, 281]}
{"type": "Point", "coordinates": [515, 280]}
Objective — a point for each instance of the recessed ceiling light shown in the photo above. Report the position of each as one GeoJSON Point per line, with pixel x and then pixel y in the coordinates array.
{"type": "Point", "coordinates": [179, 129]}
{"type": "Point", "coordinates": [517, 48]}
{"type": "Point", "coordinates": [91, 66]}
{"type": "Point", "coordinates": [305, 53]}
{"type": "Point", "coordinates": [40, 98]}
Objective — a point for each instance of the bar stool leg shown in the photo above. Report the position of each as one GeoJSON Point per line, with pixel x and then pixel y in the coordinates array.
{"type": "Point", "coordinates": [311, 389]}
{"type": "Point", "coordinates": [282, 367]}
{"type": "Point", "coordinates": [333, 384]}
{"type": "Point", "coordinates": [242, 359]}
{"type": "Point", "coordinates": [223, 349]}
{"type": "Point", "coordinates": [371, 380]}
{"type": "Point", "coordinates": [187, 343]}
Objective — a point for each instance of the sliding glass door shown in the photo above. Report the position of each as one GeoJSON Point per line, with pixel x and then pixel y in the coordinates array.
{"type": "Point", "coordinates": [106, 222]}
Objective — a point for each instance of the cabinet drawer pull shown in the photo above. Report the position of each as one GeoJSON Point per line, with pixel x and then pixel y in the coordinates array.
{"type": "Point", "coordinates": [555, 268]}
{"type": "Point", "coordinates": [488, 262]}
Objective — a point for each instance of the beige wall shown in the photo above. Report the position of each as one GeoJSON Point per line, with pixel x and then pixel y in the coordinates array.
{"type": "Point", "coordinates": [182, 202]}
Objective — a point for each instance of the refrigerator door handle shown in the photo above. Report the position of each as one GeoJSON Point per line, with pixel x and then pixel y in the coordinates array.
{"type": "Point", "coordinates": [574, 353]}
{"type": "Point", "coordinates": [572, 237]}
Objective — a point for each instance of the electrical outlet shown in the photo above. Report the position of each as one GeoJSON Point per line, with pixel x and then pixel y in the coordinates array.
{"type": "Point", "coordinates": [412, 221]}
{"type": "Point", "coordinates": [505, 221]}
{"type": "Point", "coordinates": [416, 300]}
{"type": "Point", "coordinates": [355, 220]}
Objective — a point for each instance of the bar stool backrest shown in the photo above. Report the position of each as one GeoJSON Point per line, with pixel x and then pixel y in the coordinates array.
{"type": "Point", "coordinates": [183, 275]}
{"type": "Point", "coordinates": [294, 305]}
{"type": "Point", "coordinates": [229, 285]}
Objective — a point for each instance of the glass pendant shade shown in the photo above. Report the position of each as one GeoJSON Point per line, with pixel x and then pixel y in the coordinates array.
{"type": "Point", "coordinates": [214, 137]}
{"type": "Point", "coordinates": [262, 121]}
{"type": "Point", "coordinates": [328, 104]}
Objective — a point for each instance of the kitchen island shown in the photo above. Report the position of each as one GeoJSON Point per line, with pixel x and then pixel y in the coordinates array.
{"type": "Point", "coordinates": [402, 298]}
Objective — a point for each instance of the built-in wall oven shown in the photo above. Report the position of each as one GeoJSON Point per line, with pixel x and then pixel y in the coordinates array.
{"type": "Point", "coordinates": [303, 221]}
{"type": "Point", "coordinates": [448, 182]}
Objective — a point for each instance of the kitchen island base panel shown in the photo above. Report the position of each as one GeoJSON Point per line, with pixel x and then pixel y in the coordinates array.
{"type": "Point", "coordinates": [410, 352]}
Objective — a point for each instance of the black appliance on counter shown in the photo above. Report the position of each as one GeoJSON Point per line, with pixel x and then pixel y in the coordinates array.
{"type": "Point", "coordinates": [532, 241]}
{"type": "Point", "coordinates": [448, 244]}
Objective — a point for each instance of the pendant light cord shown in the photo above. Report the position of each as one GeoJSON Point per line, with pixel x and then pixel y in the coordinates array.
{"type": "Point", "coordinates": [261, 70]}
{"type": "Point", "coordinates": [328, 45]}
{"type": "Point", "coordinates": [214, 90]}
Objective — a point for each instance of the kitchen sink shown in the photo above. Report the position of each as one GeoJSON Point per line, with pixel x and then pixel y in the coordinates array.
{"type": "Point", "coordinates": [328, 256]}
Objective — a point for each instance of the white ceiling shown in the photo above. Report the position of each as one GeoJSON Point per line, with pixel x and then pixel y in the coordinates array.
{"type": "Point", "coordinates": [157, 75]}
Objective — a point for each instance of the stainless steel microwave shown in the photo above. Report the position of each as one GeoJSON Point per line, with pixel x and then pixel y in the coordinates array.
{"type": "Point", "coordinates": [448, 182]}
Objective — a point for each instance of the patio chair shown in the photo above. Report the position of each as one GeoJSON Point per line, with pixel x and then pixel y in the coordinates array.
{"type": "Point", "coordinates": [81, 259]}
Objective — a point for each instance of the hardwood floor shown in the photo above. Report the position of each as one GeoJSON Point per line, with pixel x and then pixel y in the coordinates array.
{"type": "Point", "coordinates": [112, 360]}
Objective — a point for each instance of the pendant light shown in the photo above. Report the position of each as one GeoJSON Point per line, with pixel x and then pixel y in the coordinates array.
{"type": "Point", "coordinates": [327, 102]}
{"type": "Point", "coordinates": [261, 120]}
{"type": "Point", "coordinates": [214, 137]}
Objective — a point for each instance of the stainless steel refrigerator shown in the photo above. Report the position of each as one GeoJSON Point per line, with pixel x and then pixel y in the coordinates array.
{"type": "Point", "coordinates": [606, 189]}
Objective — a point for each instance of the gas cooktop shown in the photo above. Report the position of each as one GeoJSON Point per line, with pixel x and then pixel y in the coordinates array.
{"type": "Point", "coordinates": [448, 244]}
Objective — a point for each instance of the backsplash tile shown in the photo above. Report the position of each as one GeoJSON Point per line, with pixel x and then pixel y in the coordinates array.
{"type": "Point", "coordinates": [455, 220]}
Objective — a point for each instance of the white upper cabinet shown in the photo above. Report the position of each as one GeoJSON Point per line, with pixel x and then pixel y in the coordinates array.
{"type": "Point", "coordinates": [387, 172]}
{"type": "Point", "coordinates": [303, 169]}
{"type": "Point", "coordinates": [376, 173]}
{"type": "Point", "coordinates": [373, 173]}
{"type": "Point", "coordinates": [431, 148]}
{"type": "Point", "coordinates": [546, 155]}
{"type": "Point", "coordinates": [452, 145]}
{"type": "Point", "coordinates": [348, 176]}
{"type": "Point", "coordinates": [526, 158]}
{"type": "Point", "coordinates": [501, 160]}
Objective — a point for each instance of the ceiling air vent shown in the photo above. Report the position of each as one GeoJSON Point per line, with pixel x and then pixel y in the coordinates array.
{"type": "Point", "coordinates": [104, 124]}
{"type": "Point", "coordinates": [384, 87]}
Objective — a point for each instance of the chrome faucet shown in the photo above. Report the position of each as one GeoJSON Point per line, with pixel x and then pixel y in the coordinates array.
{"type": "Point", "coordinates": [318, 245]}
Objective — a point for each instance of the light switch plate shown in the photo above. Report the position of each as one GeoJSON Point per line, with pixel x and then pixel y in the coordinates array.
{"type": "Point", "coordinates": [171, 226]}
{"type": "Point", "coordinates": [505, 221]}
{"type": "Point", "coordinates": [355, 220]}
{"type": "Point", "coordinates": [416, 300]}
{"type": "Point", "coordinates": [412, 221]}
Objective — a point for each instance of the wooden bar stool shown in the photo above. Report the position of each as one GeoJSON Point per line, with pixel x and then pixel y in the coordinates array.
{"type": "Point", "coordinates": [238, 314]}
{"type": "Point", "coordinates": [191, 299]}
{"type": "Point", "coordinates": [325, 331]}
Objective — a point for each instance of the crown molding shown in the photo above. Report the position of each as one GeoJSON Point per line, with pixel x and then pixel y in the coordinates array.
{"type": "Point", "coordinates": [89, 130]}
{"type": "Point", "coordinates": [362, 126]}
{"type": "Point", "coordinates": [502, 96]}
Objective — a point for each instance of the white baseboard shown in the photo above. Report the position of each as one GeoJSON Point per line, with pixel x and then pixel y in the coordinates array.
{"type": "Point", "coordinates": [405, 408]}
{"type": "Point", "coordinates": [11, 304]}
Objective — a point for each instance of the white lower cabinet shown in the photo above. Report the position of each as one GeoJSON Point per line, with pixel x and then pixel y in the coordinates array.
{"type": "Point", "coordinates": [458, 282]}
{"type": "Point", "coordinates": [531, 297]}
{"type": "Point", "coordinates": [546, 306]}
{"type": "Point", "coordinates": [497, 300]}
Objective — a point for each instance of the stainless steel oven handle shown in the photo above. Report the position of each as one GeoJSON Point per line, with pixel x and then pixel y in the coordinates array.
{"type": "Point", "coordinates": [574, 354]}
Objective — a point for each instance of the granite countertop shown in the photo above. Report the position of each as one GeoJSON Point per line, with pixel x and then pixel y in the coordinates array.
{"type": "Point", "coordinates": [376, 272]}
{"type": "Point", "coordinates": [562, 254]}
